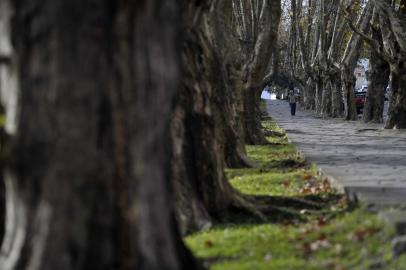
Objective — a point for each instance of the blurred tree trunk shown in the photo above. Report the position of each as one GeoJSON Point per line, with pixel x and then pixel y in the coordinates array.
{"type": "Point", "coordinates": [5, 67]}
{"type": "Point", "coordinates": [89, 182]}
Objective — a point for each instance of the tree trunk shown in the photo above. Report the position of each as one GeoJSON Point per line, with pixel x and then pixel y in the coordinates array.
{"type": "Point", "coordinates": [393, 29]}
{"type": "Point", "coordinates": [336, 99]}
{"type": "Point", "coordinates": [309, 95]}
{"type": "Point", "coordinates": [326, 98]}
{"type": "Point", "coordinates": [202, 190]}
{"type": "Point", "coordinates": [348, 85]}
{"type": "Point", "coordinates": [397, 106]}
{"type": "Point", "coordinates": [254, 71]}
{"type": "Point", "coordinates": [229, 112]}
{"type": "Point", "coordinates": [225, 76]}
{"type": "Point", "coordinates": [349, 63]}
{"type": "Point", "coordinates": [204, 195]}
{"type": "Point", "coordinates": [254, 134]}
{"type": "Point", "coordinates": [378, 81]}
{"type": "Point", "coordinates": [318, 95]}
{"type": "Point", "coordinates": [5, 90]}
{"type": "Point", "coordinates": [2, 206]}
{"type": "Point", "coordinates": [88, 187]}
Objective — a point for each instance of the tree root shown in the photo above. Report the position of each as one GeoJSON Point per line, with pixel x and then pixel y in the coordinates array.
{"type": "Point", "coordinates": [239, 202]}
{"type": "Point", "coordinates": [275, 209]}
{"type": "Point", "coordinates": [281, 201]}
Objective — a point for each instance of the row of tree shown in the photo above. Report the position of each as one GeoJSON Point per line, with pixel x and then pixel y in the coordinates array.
{"type": "Point", "coordinates": [128, 113]}
{"type": "Point", "coordinates": [327, 38]}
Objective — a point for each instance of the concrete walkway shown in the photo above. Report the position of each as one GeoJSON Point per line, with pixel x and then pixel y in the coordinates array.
{"type": "Point", "coordinates": [366, 161]}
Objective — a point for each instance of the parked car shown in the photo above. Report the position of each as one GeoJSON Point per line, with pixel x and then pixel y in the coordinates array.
{"type": "Point", "coordinates": [360, 97]}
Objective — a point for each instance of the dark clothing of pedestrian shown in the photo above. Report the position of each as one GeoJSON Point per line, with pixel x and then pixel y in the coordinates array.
{"type": "Point", "coordinates": [292, 108]}
{"type": "Point", "coordinates": [292, 97]}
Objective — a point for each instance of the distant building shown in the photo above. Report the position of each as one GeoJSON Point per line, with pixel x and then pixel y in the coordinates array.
{"type": "Point", "coordinates": [360, 73]}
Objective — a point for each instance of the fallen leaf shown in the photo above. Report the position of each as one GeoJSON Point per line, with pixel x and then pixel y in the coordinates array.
{"type": "Point", "coordinates": [306, 248]}
{"type": "Point", "coordinates": [305, 191]}
{"type": "Point", "coordinates": [307, 177]}
{"type": "Point", "coordinates": [321, 222]}
{"type": "Point", "coordinates": [322, 237]}
{"type": "Point", "coordinates": [360, 234]}
{"type": "Point", "coordinates": [286, 183]}
{"type": "Point", "coordinates": [208, 243]}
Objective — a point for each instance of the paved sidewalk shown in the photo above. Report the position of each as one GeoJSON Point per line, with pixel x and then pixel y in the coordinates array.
{"type": "Point", "coordinates": [368, 162]}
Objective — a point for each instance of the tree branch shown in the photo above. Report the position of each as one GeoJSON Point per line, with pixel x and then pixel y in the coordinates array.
{"type": "Point", "coordinates": [375, 45]}
{"type": "Point", "coordinates": [397, 22]}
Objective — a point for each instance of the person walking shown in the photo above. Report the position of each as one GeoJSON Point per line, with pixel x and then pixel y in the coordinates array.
{"type": "Point", "coordinates": [292, 98]}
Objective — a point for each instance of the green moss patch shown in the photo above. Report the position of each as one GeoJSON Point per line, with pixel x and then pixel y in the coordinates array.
{"type": "Point", "coordinates": [354, 240]}
{"type": "Point", "coordinates": [336, 236]}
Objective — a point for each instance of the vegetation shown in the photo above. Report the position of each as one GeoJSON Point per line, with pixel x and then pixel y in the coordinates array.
{"type": "Point", "coordinates": [340, 236]}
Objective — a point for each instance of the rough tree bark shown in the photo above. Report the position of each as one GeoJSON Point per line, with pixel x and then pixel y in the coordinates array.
{"type": "Point", "coordinates": [336, 98]}
{"type": "Point", "coordinates": [225, 69]}
{"type": "Point", "coordinates": [6, 68]}
{"type": "Point", "coordinates": [393, 27]}
{"type": "Point", "coordinates": [306, 47]}
{"type": "Point", "coordinates": [318, 93]}
{"type": "Point", "coordinates": [254, 71]}
{"type": "Point", "coordinates": [378, 79]}
{"type": "Point", "coordinates": [349, 62]}
{"type": "Point", "coordinates": [203, 192]}
{"type": "Point", "coordinates": [332, 104]}
{"type": "Point", "coordinates": [88, 183]}
{"type": "Point", "coordinates": [309, 95]}
{"type": "Point", "coordinates": [326, 98]}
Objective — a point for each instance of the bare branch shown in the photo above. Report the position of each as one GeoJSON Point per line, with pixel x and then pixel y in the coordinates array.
{"type": "Point", "coordinates": [397, 22]}
{"type": "Point", "coordinates": [374, 44]}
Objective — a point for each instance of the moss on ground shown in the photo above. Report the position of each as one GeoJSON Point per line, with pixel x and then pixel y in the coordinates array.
{"type": "Point", "coordinates": [338, 236]}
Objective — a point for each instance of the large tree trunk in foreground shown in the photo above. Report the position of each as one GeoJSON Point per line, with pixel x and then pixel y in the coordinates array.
{"type": "Point", "coordinates": [5, 90]}
{"type": "Point", "coordinates": [88, 187]}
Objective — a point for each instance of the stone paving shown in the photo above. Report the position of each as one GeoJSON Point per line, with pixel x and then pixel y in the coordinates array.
{"type": "Point", "coordinates": [366, 161]}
